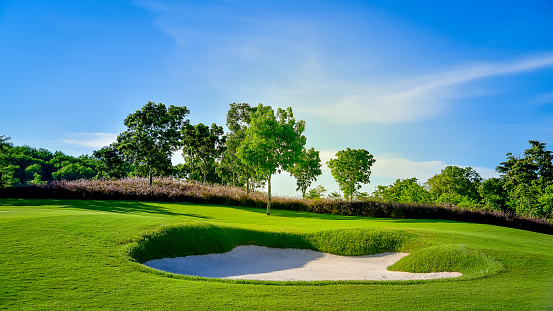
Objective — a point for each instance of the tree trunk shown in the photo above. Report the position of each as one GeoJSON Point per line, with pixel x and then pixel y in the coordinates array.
{"type": "Point", "coordinates": [247, 186]}
{"type": "Point", "coordinates": [269, 197]}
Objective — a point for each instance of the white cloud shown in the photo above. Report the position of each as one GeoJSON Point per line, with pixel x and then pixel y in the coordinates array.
{"type": "Point", "coordinates": [421, 97]}
{"type": "Point", "coordinates": [402, 168]}
{"type": "Point", "coordinates": [90, 140]}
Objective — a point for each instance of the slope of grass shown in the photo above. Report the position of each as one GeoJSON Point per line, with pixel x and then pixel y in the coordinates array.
{"type": "Point", "coordinates": [63, 254]}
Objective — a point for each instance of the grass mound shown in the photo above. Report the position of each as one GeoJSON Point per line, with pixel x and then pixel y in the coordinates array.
{"type": "Point", "coordinates": [202, 238]}
{"type": "Point", "coordinates": [449, 258]}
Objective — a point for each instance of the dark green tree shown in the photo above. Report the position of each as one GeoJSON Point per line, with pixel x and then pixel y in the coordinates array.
{"type": "Point", "coordinates": [272, 144]}
{"type": "Point", "coordinates": [111, 162]}
{"type": "Point", "coordinates": [526, 179]}
{"type": "Point", "coordinates": [202, 150]}
{"type": "Point", "coordinates": [306, 170]}
{"type": "Point", "coordinates": [350, 169]}
{"type": "Point", "coordinates": [493, 193]}
{"type": "Point", "coordinates": [153, 134]}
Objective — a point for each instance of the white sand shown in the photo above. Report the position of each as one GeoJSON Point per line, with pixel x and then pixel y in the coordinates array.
{"type": "Point", "coordinates": [277, 264]}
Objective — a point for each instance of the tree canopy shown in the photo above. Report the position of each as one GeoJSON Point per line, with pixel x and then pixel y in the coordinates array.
{"type": "Point", "coordinates": [306, 169]}
{"type": "Point", "coordinates": [403, 191]}
{"type": "Point", "coordinates": [350, 169]}
{"type": "Point", "coordinates": [231, 169]}
{"type": "Point", "coordinates": [272, 143]}
{"type": "Point", "coordinates": [455, 185]}
{"type": "Point", "coordinates": [153, 134]}
{"type": "Point", "coordinates": [202, 150]}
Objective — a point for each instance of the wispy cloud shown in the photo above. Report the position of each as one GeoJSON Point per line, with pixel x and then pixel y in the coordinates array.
{"type": "Point", "coordinates": [421, 97]}
{"type": "Point", "coordinates": [90, 140]}
{"type": "Point", "coordinates": [393, 166]}
{"type": "Point", "coordinates": [544, 99]}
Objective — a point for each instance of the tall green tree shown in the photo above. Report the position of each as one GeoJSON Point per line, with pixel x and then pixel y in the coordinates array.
{"type": "Point", "coordinates": [350, 169]}
{"type": "Point", "coordinates": [273, 143]}
{"type": "Point", "coordinates": [526, 179]}
{"type": "Point", "coordinates": [306, 170]}
{"type": "Point", "coordinates": [231, 169]}
{"type": "Point", "coordinates": [455, 185]}
{"type": "Point", "coordinates": [153, 134]}
{"type": "Point", "coordinates": [202, 149]}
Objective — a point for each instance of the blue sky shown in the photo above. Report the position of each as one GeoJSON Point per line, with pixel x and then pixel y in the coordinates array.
{"type": "Point", "coordinates": [419, 84]}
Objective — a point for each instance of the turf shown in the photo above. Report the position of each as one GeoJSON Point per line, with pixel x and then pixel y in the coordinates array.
{"type": "Point", "coordinates": [62, 254]}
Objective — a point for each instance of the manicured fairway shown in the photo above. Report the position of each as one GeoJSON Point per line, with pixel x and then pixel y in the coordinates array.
{"type": "Point", "coordinates": [57, 254]}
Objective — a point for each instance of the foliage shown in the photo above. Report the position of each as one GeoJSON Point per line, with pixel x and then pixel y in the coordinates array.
{"type": "Point", "coordinates": [153, 134]}
{"type": "Point", "coordinates": [306, 169]}
{"type": "Point", "coordinates": [403, 191]}
{"type": "Point", "coordinates": [6, 170]}
{"type": "Point", "coordinates": [202, 150]}
{"type": "Point", "coordinates": [111, 162]}
{"type": "Point", "coordinates": [350, 169]}
{"type": "Point", "coordinates": [455, 185]}
{"type": "Point", "coordinates": [74, 171]}
{"type": "Point", "coordinates": [231, 169]}
{"type": "Point", "coordinates": [316, 193]}
{"type": "Point", "coordinates": [493, 193]}
{"type": "Point", "coordinates": [23, 165]}
{"type": "Point", "coordinates": [526, 180]}
{"type": "Point", "coordinates": [273, 143]}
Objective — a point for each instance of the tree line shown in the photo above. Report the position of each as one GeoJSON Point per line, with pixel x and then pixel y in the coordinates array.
{"type": "Point", "coordinates": [262, 142]}
{"type": "Point", "coordinates": [524, 187]}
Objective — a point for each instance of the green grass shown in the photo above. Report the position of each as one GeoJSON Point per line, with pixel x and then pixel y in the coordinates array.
{"type": "Point", "coordinates": [62, 254]}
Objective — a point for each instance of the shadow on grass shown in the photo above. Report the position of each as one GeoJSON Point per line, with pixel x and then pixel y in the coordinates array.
{"type": "Point", "coordinates": [124, 207]}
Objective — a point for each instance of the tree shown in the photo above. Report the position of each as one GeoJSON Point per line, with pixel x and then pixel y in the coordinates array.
{"type": "Point", "coordinates": [403, 191]}
{"type": "Point", "coordinates": [231, 169]}
{"type": "Point", "coordinates": [350, 169]}
{"type": "Point", "coordinates": [6, 169]}
{"type": "Point", "coordinates": [526, 179]}
{"type": "Point", "coordinates": [203, 147]}
{"type": "Point", "coordinates": [455, 185]}
{"type": "Point", "coordinates": [272, 143]}
{"type": "Point", "coordinates": [111, 162]}
{"type": "Point", "coordinates": [153, 134]}
{"type": "Point", "coordinates": [33, 170]}
{"type": "Point", "coordinates": [74, 171]}
{"type": "Point", "coordinates": [4, 145]}
{"type": "Point", "coordinates": [306, 169]}
{"type": "Point", "coordinates": [493, 193]}
{"type": "Point", "coordinates": [316, 193]}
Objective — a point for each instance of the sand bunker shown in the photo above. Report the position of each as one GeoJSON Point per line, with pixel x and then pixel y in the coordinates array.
{"type": "Point", "coordinates": [277, 264]}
